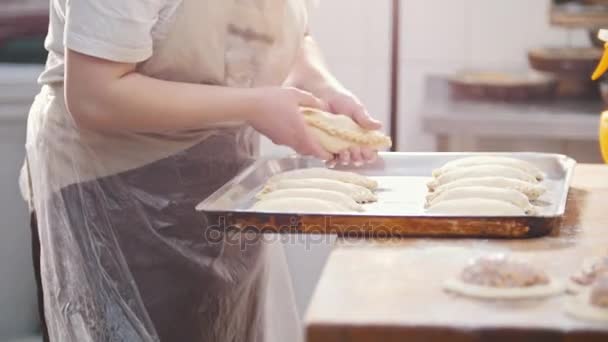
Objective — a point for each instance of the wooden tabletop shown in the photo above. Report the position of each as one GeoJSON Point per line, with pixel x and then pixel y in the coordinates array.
{"type": "Point", "coordinates": [390, 290]}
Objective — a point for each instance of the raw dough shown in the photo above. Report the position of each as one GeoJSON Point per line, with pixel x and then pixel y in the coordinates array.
{"type": "Point", "coordinates": [356, 192]}
{"type": "Point", "coordinates": [599, 293]}
{"type": "Point", "coordinates": [507, 195]}
{"type": "Point", "coordinates": [591, 269]}
{"type": "Point", "coordinates": [318, 172]}
{"type": "Point", "coordinates": [498, 270]}
{"type": "Point", "coordinates": [533, 191]}
{"type": "Point", "coordinates": [481, 171]}
{"type": "Point", "coordinates": [476, 207]}
{"type": "Point", "coordinates": [332, 196]}
{"type": "Point", "coordinates": [498, 276]}
{"type": "Point", "coordinates": [339, 132]}
{"type": "Point", "coordinates": [298, 205]}
{"type": "Point", "coordinates": [554, 287]}
{"type": "Point", "coordinates": [580, 307]}
{"type": "Point", "coordinates": [491, 160]}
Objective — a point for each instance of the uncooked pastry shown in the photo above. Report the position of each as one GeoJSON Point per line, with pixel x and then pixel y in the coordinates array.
{"type": "Point", "coordinates": [298, 205]}
{"type": "Point", "coordinates": [533, 191]}
{"type": "Point", "coordinates": [356, 192]}
{"type": "Point", "coordinates": [338, 132]}
{"type": "Point", "coordinates": [582, 307]}
{"type": "Point", "coordinates": [599, 293]}
{"type": "Point", "coordinates": [578, 307]}
{"type": "Point", "coordinates": [591, 269]}
{"type": "Point", "coordinates": [475, 207]}
{"type": "Point", "coordinates": [318, 172]}
{"type": "Point", "coordinates": [481, 171]}
{"type": "Point", "coordinates": [507, 195]}
{"type": "Point", "coordinates": [500, 277]}
{"type": "Point", "coordinates": [332, 196]}
{"type": "Point", "coordinates": [491, 160]}
{"type": "Point", "coordinates": [554, 287]}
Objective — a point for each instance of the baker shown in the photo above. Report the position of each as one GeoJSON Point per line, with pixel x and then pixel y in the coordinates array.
{"type": "Point", "coordinates": [146, 108]}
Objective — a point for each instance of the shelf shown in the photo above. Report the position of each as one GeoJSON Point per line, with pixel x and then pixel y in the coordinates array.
{"type": "Point", "coordinates": [558, 119]}
{"type": "Point", "coordinates": [579, 16]}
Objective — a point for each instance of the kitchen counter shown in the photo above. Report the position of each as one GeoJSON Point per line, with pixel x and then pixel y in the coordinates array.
{"type": "Point", "coordinates": [560, 126]}
{"type": "Point", "coordinates": [391, 290]}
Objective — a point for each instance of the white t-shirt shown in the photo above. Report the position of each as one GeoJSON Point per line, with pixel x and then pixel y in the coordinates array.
{"type": "Point", "coordinates": [116, 30]}
{"type": "Point", "coordinates": [239, 43]}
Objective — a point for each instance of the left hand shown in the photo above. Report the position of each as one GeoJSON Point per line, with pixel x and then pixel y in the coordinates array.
{"type": "Point", "coordinates": [341, 101]}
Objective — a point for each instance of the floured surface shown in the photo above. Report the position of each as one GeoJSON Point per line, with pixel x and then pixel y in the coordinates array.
{"type": "Point", "coordinates": [579, 307]}
{"type": "Point", "coordinates": [392, 289]}
{"type": "Point", "coordinates": [401, 283]}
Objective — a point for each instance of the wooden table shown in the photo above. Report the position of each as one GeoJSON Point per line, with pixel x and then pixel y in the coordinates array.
{"type": "Point", "coordinates": [391, 290]}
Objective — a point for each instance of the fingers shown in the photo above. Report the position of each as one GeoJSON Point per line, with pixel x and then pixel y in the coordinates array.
{"type": "Point", "coordinates": [344, 157]}
{"type": "Point", "coordinates": [355, 156]}
{"type": "Point", "coordinates": [349, 105]}
{"type": "Point", "coordinates": [369, 155]}
{"type": "Point", "coordinates": [332, 162]}
{"type": "Point", "coordinates": [306, 99]}
{"type": "Point", "coordinates": [364, 120]}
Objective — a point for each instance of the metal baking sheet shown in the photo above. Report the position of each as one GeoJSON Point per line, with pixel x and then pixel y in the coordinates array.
{"type": "Point", "coordinates": [402, 179]}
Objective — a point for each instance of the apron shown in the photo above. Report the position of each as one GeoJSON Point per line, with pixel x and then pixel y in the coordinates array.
{"type": "Point", "coordinates": [124, 256]}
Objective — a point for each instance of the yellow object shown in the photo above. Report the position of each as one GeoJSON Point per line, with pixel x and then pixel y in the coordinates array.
{"type": "Point", "coordinates": [604, 135]}
{"type": "Point", "coordinates": [602, 67]}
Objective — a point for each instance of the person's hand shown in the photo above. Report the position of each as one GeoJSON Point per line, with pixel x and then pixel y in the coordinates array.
{"type": "Point", "coordinates": [277, 115]}
{"type": "Point", "coordinates": [341, 101]}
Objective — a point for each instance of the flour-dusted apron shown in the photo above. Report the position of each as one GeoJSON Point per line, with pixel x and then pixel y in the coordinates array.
{"type": "Point", "coordinates": [124, 255]}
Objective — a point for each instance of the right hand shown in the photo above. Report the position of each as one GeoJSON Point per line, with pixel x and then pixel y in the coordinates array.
{"type": "Point", "coordinates": [277, 115]}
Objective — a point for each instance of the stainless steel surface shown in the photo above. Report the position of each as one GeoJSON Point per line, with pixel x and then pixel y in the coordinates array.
{"type": "Point", "coordinates": [402, 179]}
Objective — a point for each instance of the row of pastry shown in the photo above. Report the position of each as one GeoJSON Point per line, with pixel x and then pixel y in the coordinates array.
{"type": "Point", "coordinates": [316, 190]}
{"type": "Point", "coordinates": [485, 186]}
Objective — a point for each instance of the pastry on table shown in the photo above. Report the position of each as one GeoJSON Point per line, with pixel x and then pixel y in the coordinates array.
{"type": "Point", "coordinates": [318, 172]}
{"type": "Point", "coordinates": [591, 270]}
{"type": "Point", "coordinates": [491, 160]}
{"type": "Point", "coordinates": [299, 205]}
{"type": "Point", "coordinates": [511, 196]}
{"type": "Point", "coordinates": [327, 195]}
{"type": "Point", "coordinates": [337, 132]}
{"type": "Point", "coordinates": [533, 191]}
{"type": "Point", "coordinates": [481, 171]}
{"type": "Point", "coordinates": [592, 304]}
{"type": "Point", "coordinates": [501, 277]}
{"type": "Point", "coordinates": [356, 192]}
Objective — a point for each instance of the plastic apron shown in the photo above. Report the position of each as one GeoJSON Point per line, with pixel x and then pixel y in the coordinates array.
{"type": "Point", "coordinates": [124, 255]}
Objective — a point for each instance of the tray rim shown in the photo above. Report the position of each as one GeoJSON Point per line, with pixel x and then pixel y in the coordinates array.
{"type": "Point", "coordinates": [569, 164]}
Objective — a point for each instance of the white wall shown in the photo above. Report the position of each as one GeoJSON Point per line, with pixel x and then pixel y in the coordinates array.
{"type": "Point", "coordinates": [440, 36]}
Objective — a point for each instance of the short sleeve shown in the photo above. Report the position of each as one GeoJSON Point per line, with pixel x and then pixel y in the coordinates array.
{"type": "Point", "coordinates": [116, 30]}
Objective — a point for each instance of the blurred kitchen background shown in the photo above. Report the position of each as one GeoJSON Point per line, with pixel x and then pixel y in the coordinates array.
{"type": "Point", "coordinates": [466, 81]}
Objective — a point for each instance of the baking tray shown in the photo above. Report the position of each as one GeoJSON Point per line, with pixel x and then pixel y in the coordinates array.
{"type": "Point", "coordinates": [402, 179]}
